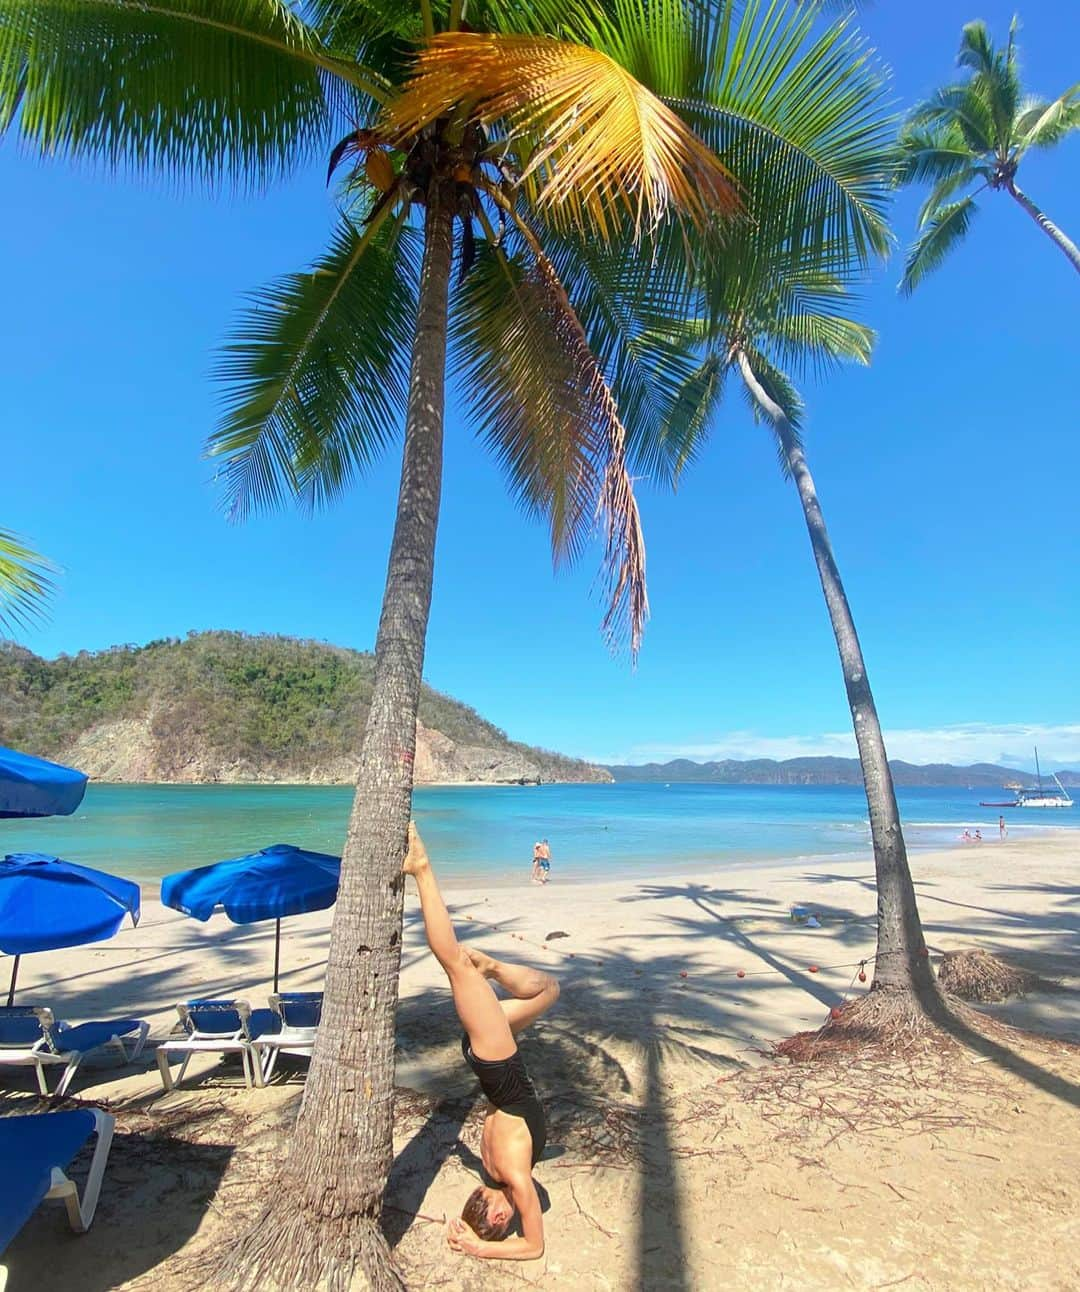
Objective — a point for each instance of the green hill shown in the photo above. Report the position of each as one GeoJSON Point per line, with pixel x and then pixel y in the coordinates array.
{"type": "Point", "coordinates": [232, 707]}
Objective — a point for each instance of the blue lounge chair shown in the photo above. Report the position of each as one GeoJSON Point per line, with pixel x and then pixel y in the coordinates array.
{"type": "Point", "coordinates": [299, 1013]}
{"type": "Point", "coordinates": [35, 1152]}
{"type": "Point", "coordinates": [221, 1027]}
{"type": "Point", "coordinates": [32, 1037]}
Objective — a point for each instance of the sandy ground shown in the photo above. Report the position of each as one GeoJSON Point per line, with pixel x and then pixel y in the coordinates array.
{"type": "Point", "coordinates": [682, 1155]}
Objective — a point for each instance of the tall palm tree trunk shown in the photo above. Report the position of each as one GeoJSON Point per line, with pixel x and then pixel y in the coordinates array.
{"type": "Point", "coordinates": [324, 1215]}
{"type": "Point", "coordinates": [901, 963]}
{"type": "Point", "coordinates": [1071, 250]}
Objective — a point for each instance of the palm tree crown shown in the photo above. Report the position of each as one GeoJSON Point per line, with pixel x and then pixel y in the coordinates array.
{"type": "Point", "coordinates": [972, 136]}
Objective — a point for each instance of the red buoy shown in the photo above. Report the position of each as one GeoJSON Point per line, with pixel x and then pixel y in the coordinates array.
{"type": "Point", "coordinates": [862, 976]}
{"type": "Point", "coordinates": [740, 973]}
{"type": "Point", "coordinates": [682, 973]}
{"type": "Point", "coordinates": [813, 968]}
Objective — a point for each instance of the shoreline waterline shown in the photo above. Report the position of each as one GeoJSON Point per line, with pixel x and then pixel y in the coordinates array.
{"type": "Point", "coordinates": [483, 835]}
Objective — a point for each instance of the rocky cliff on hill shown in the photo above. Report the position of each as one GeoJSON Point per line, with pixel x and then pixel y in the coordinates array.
{"type": "Point", "coordinates": [228, 707]}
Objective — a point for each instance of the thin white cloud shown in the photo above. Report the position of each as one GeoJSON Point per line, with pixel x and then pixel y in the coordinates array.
{"type": "Point", "coordinates": [1007, 744]}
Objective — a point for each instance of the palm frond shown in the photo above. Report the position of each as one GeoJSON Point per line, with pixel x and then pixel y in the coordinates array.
{"type": "Point", "coordinates": [820, 337]}
{"type": "Point", "coordinates": [692, 409]}
{"type": "Point", "coordinates": [946, 188]}
{"type": "Point", "coordinates": [943, 232]}
{"type": "Point", "coordinates": [199, 89]}
{"type": "Point", "coordinates": [25, 583]}
{"type": "Point", "coordinates": [800, 116]}
{"type": "Point", "coordinates": [1041, 125]}
{"type": "Point", "coordinates": [966, 108]}
{"type": "Point", "coordinates": [934, 152]}
{"type": "Point", "coordinates": [626, 304]}
{"type": "Point", "coordinates": [527, 397]}
{"type": "Point", "coordinates": [590, 457]}
{"type": "Point", "coordinates": [995, 76]}
{"type": "Point", "coordinates": [316, 373]}
{"type": "Point", "coordinates": [597, 140]}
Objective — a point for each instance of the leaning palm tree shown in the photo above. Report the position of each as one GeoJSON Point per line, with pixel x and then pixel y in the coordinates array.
{"type": "Point", "coordinates": [973, 136]}
{"type": "Point", "coordinates": [773, 304]}
{"type": "Point", "coordinates": [769, 314]}
{"type": "Point", "coordinates": [25, 582]}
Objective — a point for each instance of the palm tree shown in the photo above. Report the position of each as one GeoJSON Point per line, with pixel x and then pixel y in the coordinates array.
{"type": "Point", "coordinates": [25, 582]}
{"type": "Point", "coordinates": [480, 143]}
{"type": "Point", "coordinates": [772, 303]}
{"type": "Point", "coordinates": [973, 136]}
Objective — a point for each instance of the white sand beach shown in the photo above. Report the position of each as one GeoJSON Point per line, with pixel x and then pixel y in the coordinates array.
{"type": "Point", "coordinates": [684, 1155]}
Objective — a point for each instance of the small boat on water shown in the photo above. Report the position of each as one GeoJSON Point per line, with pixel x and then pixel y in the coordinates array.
{"type": "Point", "coordinates": [1038, 797]}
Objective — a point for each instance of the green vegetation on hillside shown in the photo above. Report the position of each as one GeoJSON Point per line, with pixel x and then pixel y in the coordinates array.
{"type": "Point", "coordinates": [264, 699]}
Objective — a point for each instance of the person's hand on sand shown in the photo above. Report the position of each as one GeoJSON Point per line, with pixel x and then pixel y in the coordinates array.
{"type": "Point", "coordinates": [461, 1238]}
{"type": "Point", "coordinates": [416, 857]}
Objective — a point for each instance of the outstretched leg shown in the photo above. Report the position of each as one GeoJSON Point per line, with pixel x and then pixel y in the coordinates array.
{"type": "Point", "coordinates": [477, 1006]}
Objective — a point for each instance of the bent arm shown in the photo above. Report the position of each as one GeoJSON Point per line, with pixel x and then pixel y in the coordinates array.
{"type": "Point", "coordinates": [530, 1246]}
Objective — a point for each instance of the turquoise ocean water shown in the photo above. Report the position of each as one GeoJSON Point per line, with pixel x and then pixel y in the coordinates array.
{"type": "Point", "coordinates": [487, 832]}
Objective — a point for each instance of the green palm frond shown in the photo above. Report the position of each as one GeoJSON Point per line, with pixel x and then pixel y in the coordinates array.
{"type": "Point", "coordinates": [544, 407]}
{"type": "Point", "coordinates": [1041, 125]}
{"type": "Point", "coordinates": [198, 89]}
{"type": "Point", "coordinates": [947, 188]}
{"type": "Point", "coordinates": [943, 232]}
{"type": "Point", "coordinates": [802, 114]}
{"type": "Point", "coordinates": [996, 78]}
{"type": "Point", "coordinates": [626, 305]}
{"type": "Point", "coordinates": [25, 583]}
{"type": "Point", "coordinates": [526, 398]}
{"type": "Point", "coordinates": [316, 373]}
{"type": "Point", "coordinates": [692, 410]}
{"type": "Point", "coordinates": [932, 152]}
{"type": "Point", "coordinates": [820, 338]}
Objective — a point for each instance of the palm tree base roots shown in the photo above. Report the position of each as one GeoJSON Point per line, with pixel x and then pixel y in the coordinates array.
{"type": "Point", "coordinates": [290, 1248]}
{"type": "Point", "coordinates": [890, 1021]}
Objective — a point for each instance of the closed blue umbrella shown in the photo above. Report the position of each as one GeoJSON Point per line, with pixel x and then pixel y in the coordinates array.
{"type": "Point", "coordinates": [46, 903]}
{"type": "Point", "coordinates": [267, 885]}
{"type": "Point", "coordinates": [34, 787]}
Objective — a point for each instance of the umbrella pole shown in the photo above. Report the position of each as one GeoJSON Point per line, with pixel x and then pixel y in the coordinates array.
{"type": "Point", "coordinates": [277, 951]}
{"type": "Point", "coordinates": [11, 985]}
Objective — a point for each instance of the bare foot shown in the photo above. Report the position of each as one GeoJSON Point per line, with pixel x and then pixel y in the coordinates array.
{"type": "Point", "coordinates": [416, 859]}
{"type": "Point", "coordinates": [481, 961]}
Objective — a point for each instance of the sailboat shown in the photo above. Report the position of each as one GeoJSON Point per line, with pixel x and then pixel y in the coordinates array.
{"type": "Point", "coordinates": [1039, 797]}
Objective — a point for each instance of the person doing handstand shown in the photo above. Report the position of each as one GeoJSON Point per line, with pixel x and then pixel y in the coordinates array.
{"type": "Point", "coordinates": [514, 1128]}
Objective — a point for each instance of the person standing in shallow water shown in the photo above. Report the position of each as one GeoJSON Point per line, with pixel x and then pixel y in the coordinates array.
{"type": "Point", "coordinates": [515, 1130]}
{"type": "Point", "coordinates": [545, 861]}
{"type": "Point", "coordinates": [538, 856]}
{"type": "Point", "coordinates": [1002, 832]}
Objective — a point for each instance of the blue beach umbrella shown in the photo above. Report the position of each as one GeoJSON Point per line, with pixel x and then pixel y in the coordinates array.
{"type": "Point", "coordinates": [46, 904]}
{"type": "Point", "coordinates": [278, 881]}
{"type": "Point", "coordinates": [34, 787]}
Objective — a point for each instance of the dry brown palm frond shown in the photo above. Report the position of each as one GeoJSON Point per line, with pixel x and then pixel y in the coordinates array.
{"type": "Point", "coordinates": [594, 141]}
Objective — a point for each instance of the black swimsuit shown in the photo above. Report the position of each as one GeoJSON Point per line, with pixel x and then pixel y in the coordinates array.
{"type": "Point", "coordinates": [508, 1086]}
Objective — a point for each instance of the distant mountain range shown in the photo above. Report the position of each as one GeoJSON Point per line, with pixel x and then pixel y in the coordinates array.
{"type": "Point", "coordinates": [827, 771]}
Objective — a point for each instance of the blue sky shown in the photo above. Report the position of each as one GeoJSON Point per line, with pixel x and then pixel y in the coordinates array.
{"type": "Point", "coordinates": [947, 474]}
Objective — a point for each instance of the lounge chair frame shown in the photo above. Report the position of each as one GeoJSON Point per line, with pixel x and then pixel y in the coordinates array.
{"type": "Point", "coordinates": [50, 1050]}
{"type": "Point", "coordinates": [236, 1041]}
{"type": "Point", "coordinates": [291, 1038]}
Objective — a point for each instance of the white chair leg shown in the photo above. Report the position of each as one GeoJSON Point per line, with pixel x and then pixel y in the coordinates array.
{"type": "Point", "coordinates": [140, 1041]}
{"type": "Point", "coordinates": [43, 1085]}
{"type": "Point", "coordinates": [163, 1068]}
{"type": "Point", "coordinates": [272, 1052]}
{"type": "Point", "coordinates": [69, 1072]}
{"type": "Point", "coordinates": [81, 1214]}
